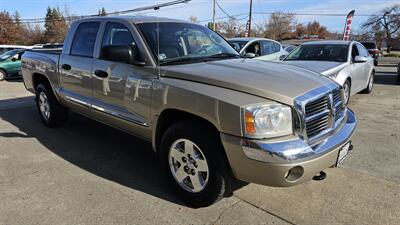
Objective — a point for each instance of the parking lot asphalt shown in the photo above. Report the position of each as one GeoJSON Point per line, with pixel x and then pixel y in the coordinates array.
{"type": "Point", "coordinates": [88, 173]}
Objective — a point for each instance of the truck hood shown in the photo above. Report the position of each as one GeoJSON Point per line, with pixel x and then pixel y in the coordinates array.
{"type": "Point", "coordinates": [323, 67]}
{"type": "Point", "coordinates": [272, 80]}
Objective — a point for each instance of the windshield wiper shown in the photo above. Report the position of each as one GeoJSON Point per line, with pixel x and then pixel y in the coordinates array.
{"type": "Point", "coordinates": [224, 55]}
{"type": "Point", "coordinates": [178, 60]}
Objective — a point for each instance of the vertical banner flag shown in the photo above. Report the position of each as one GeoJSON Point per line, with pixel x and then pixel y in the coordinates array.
{"type": "Point", "coordinates": [347, 27]}
{"type": "Point", "coordinates": [247, 33]}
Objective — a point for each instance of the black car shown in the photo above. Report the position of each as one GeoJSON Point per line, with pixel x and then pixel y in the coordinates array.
{"type": "Point", "coordinates": [372, 49]}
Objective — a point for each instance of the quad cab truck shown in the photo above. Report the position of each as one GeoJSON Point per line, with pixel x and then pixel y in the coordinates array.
{"type": "Point", "coordinates": [213, 117]}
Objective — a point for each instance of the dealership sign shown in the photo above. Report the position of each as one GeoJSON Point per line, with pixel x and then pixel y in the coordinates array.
{"type": "Point", "coordinates": [347, 27]}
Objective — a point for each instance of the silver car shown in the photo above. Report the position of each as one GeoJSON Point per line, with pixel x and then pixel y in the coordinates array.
{"type": "Point", "coordinates": [346, 62]}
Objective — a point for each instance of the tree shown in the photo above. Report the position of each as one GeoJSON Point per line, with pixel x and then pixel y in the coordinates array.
{"type": "Point", "coordinates": [7, 28]}
{"type": "Point", "coordinates": [102, 12]}
{"type": "Point", "coordinates": [280, 25]}
{"type": "Point", "coordinates": [228, 28]}
{"type": "Point", "coordinates": [316, 29]}
{"type": "Point", "coordinates": [387, 23]}
{"type": "Point", "coordinates": [55, 25]}
{"type": "Point", "coordinates": [193, 19]}
{"type": "Point", "coordinates": [19, 29]}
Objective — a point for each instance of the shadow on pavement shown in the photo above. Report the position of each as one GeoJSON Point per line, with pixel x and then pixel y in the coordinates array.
{"type": "Point", "coordinates": [94, 147]}
{"type": "Point", "coordinates": [386, 78]}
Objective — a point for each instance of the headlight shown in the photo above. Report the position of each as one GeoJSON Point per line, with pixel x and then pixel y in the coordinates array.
{"type": "Point", "coordinates": [268, 120]}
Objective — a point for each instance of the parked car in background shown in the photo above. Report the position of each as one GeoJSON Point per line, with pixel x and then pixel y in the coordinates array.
{"type": "Point", "coordinates": [372, 50]}
{"type": "Point", "coordinates": [10, 64]}
{"type": "Point", "coordinates": [258, 48]}
{"type": "Point", "coordinates": [211, 116]}
{"type": "Point", "coordinates": [6, 48]}
{"type": "Point", "coordinates": [289, 48]}
{"type": "Point", "coordinates": [346, 62]}
{"type": "Point", "coordinates": [398, 73]}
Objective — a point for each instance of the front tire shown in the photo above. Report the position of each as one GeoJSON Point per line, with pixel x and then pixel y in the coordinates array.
{"type": "Point", "coordinates": [3, 75]}
{"type": "Point", "coordinates": [370, 85]}
{"type": "Point", "coordinates": [347, 88]}
{"type": "Point", "coordinates": [52, 113]}
{"type": "Point", "coordinates": [195, 164]}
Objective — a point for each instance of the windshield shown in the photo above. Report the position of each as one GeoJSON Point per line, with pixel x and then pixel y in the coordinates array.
{"type": "Point", "coordinates": [185, 42]}
{"type": "Point", "coordinates": [320, 52]}
{"type": "Point", "coordinates": [7, 55]}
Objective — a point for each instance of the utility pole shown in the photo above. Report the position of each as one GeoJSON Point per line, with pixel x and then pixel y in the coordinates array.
{"type": "Point", "coordinates": [214, 16]}
{"type": "Point", "coordinates": [251, 8]}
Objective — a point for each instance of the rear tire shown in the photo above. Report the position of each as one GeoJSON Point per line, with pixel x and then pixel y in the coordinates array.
{"type": "Point", "coordinates": [370, 84]}
{"type": "Point", "coordinates": [175, 150]}
{"type": "Point", "coordinates": [52, 113]}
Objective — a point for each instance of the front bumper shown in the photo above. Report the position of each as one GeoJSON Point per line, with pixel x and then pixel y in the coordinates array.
{"type": "Point", "coordinates": [285, 162]}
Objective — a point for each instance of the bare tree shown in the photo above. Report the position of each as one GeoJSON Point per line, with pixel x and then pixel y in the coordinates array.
{"type": "Point", "coordinates": [388, 22]}
{"type": "Point", "coordinates": [193, 19]}
{"type": "Point", "coordinates": [229, 28]}
{"type": "Point", "coordinates": [280, 25]}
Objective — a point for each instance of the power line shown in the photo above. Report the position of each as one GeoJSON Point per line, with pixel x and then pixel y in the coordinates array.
{"type": "Point", "coordinates": [122, 12]}
{"type": "Point", "coordinates": [219, 6]}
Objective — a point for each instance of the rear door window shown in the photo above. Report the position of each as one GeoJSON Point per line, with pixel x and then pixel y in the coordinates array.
{"type": "Point", "coordinates": [85, 39]}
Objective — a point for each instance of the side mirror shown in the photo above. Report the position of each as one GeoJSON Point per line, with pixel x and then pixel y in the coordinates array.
{"type": "Point", "coordinates": [282, 57]}
{"type": "Point", "coordinates": [360, 59]}
{"type": "Point", "coordinates": [249, 55]}
{"type": "Point", "coordinates": [121, 53]}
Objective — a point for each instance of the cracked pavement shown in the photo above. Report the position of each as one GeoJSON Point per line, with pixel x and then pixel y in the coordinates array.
{"type": "Point", "coordinates": [88, 173]}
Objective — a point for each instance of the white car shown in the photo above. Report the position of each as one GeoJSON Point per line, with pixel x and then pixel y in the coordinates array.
{"type": "Point", "coordinates": [346, 62]}
{"type": "Point", "coordinates": [259, 48]}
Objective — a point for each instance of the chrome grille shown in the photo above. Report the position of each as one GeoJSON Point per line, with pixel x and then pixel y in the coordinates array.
{"type": "Point", "coordinates": [320, 111]}
{"type": "Point", "coordinates": [316, 116]}
{"type": "Point", "coordinates": [337, 103]}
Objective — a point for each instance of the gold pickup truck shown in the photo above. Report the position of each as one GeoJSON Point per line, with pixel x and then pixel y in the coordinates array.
{"type": "Point", "coordinates": [212, 116]}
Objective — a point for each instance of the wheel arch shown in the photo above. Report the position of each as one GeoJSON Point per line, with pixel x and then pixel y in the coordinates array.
{"type": "Point", "coordinates": [171, 116]}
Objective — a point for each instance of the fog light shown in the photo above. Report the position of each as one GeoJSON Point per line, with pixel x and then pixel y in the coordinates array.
{"type": "Point", "coordinates": [294, 173]}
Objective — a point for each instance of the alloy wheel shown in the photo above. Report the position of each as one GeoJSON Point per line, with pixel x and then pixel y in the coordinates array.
{"type": "Point", "coordinates": [44, 106]}
{"type": "Point", "coordinates": [188, 165]}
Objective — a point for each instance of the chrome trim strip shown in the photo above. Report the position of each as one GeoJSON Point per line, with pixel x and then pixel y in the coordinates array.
{"type": "Point", "coordinates": [77, 100]}
{"type": "Point", "coordinates": [298, 150]}
{"type": "Point", "coordinates": [119, 115]}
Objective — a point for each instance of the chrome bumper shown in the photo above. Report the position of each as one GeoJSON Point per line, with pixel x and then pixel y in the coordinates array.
{"type": "Point", "coordinates": [269, 163]}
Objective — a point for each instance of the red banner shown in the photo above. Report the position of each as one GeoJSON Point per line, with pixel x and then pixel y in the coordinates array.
{"type": "Point", "coordinates": [347, 27]}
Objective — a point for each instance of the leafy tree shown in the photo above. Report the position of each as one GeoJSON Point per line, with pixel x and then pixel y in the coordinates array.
{"type": "Point", "coordinates": [55, 25]}
{"type": "Point", "coordinates": [315, 28]}
{"type": "Point", "coordinates": [7, 28]}
{"type": "Point", "coordinates": [102, 12]}
{"type": "Point", "coordinates": [280, 25]}
{"type": "Point", "coordinates": [388, 24]}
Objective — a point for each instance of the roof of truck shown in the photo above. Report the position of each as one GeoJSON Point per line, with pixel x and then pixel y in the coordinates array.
{"type": "Point", "coordinates": [136, 19]}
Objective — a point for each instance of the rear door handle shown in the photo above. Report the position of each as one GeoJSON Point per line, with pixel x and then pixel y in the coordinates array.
{"type": "Point", "coordinates": [101, 73]}
{"type": "Point", "coordinates": [66, 66]}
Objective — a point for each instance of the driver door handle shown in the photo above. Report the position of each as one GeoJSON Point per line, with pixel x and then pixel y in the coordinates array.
{"type": "Point", "coordinates": [101, 73]}
{"type": "Point", "coordinates": [66, 66]}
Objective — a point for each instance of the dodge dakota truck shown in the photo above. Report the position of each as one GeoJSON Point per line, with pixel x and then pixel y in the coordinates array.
{"type": "Point", "coordinates": [213, 117]}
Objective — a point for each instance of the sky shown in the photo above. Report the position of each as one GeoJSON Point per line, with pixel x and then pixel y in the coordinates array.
{"type": "Point", "coordinates": [202, 9]}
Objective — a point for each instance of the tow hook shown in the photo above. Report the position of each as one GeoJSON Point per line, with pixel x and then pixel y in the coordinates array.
{"type": "Point", "coordinates": [320, 176]}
